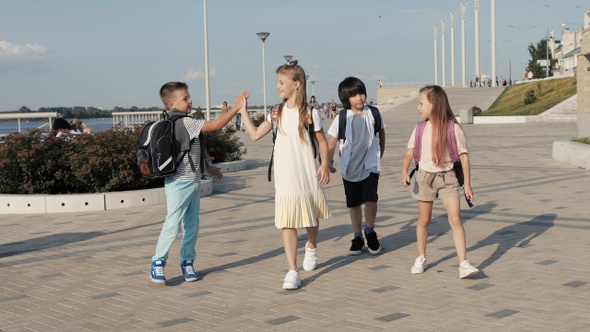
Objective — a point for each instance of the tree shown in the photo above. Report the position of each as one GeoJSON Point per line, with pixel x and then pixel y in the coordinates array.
{"type": "Point", "coordinates": [24, 109]}
{"type": "Point", "coordinates": [540, 53]}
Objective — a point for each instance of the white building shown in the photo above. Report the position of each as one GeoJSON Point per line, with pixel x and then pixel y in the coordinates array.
{"type": "Point", "coordinates": [567, 49]}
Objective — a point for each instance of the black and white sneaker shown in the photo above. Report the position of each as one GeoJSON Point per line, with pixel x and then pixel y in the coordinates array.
{"type": "Point", "coordinates": [357, 246]}
{"type": "Point", "coordinates": [373, 244]}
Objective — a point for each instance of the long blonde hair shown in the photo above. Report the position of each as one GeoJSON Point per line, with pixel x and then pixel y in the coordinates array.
{"type": "Point", "coordinates": [296, 73]}
{"type": "Point", "coordinates": [439, 119]}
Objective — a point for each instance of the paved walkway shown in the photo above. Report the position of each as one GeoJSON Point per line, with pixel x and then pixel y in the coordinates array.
{"type": "Point", "coordinates": [528, 233]}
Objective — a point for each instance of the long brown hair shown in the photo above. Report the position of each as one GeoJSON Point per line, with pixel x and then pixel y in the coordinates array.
{"type": "Point", "coordinates": [296, 73]}
{"type": "Point", "coordinates": [439, 119]}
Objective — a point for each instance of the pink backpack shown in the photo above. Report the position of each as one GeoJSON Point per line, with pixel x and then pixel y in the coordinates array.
{"type": "Point", "coordinates": [451, 141]}
{"type": "Point", "coordinates": [452, 146]}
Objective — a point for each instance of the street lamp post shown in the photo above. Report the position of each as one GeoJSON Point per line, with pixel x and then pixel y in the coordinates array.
{"type": "Point", "coordinates": [442, 29]}
{"type": "Point", "coordinates": [263, 36]}
{"type": "Point", "coordinates": [463, 71]}
{"type": "Point", "coordinates": [493, 19]}
{"type": "Point", "coordinates": [477, 71]}
{"type": "Point", "coordinates": [288, 58]}
{"type": "Point", "coordinates": [452, 15]}
{"type": "Point", "coordinates": [312, 88]}
{"type": "Point", "coordinates": [435, 56]}
{"type": "Point", "coordinates": [207, 93]}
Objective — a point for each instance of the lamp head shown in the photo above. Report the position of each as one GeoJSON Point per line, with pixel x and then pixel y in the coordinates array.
{"type": "Point", "coordinates": [263, 35]}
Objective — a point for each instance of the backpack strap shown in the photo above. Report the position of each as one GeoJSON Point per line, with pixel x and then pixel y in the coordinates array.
{"type": "Point", "coordinates": [203, 162]}
{"type": "Point", "coordinates": [418, 141]}
{"type": "Point", "coordinates": [185, 143]}
{"type": "Point", "coordinates": [377, 118]}
{"type": "Point", "coordinates": [342, 125]}
{"type": "Point", "coordinates": [452, 141]}
{"type": "Point", "coordinates": [274, 138]}
{"type": "Point", "coordinates": [310, 127]}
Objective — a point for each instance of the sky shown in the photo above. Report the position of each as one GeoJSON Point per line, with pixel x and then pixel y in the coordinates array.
{"type": "Point", "coordinates": [107, 53]}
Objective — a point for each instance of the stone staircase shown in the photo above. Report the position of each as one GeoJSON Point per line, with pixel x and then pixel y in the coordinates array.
{"type": "Point", "coordinates": [565, 111]}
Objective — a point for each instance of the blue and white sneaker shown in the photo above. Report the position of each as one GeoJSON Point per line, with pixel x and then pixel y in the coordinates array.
{"type": "Point", "coordinates": [157, 272]}
{"type": "Point", "coordinates": [188, 270]}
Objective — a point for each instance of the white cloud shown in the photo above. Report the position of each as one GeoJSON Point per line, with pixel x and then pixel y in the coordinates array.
{"type": "Point", "coordinates": [194, 75]}
{"type": "Point", "coordinates": [8, 49]}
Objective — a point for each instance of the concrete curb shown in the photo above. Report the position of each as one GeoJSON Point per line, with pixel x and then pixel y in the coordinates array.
{"type": "Point", "coordinates": [477, 120]}
{"type": "Point", "coordinates": [28, 204]}
{"type": "Point", "coordinates": [573, 153]}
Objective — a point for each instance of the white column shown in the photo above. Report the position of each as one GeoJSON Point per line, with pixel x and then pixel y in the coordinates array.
{"type": "Point", "coordinates": [442, 23]}
{"type": "Point", "coordinates": [463, 75]}
{"type": "Point", "coordinates": [493, 42]}
{"type": "Point", "coordinates": [207, 93]}
{"type": "Point", "coordinates": [452, 48]}
{"type": "Point", "coordinates": [435, 56]}
{"type": "Point", "coordinates": [477, 38]}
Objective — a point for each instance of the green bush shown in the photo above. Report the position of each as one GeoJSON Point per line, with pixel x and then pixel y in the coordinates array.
{"type": "Point", "coordinates": [476, 110]}
{"type": "Point", "coordinates": [585, 140]}
{"type": "Point", "coordinates": [529, 97]}
{"type": "Point", "coordinates": [258, 119]}
{"type": "Point", "coordinates": [224, 146]}
{"type": "Point", "coordinates": [38, 163]}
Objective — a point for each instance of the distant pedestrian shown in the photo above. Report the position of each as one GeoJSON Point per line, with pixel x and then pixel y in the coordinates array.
{"type": "Point", "coordinates": [224, 110]}
{"type": "Point", "coordinates": [238, 121]}
{"type": "Point", "coordinates": [61, 126]}
{"type": "Point", "coordinates": [333, 109]}
{"type": "Point", "coordinates": [435, 177]}
{"type": "Point", "coordinates": [80, 126]}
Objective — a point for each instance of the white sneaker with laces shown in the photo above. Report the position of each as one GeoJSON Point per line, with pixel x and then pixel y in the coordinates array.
{"type": "Point", "coordinates": [467, 270]}
{"type": "Point", "coordinates": [419, 265]}
{"type": "Point", "coordinates": [310, 260]}
{"type": "Point", "coordinates": [292, 280]}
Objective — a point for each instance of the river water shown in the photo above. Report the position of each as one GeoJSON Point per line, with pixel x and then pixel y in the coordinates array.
{"type": "Point", "coordinates": [7, 127]}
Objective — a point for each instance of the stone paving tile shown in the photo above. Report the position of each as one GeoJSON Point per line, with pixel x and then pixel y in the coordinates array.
{"type": "Point", "coordinates": [527, 233]}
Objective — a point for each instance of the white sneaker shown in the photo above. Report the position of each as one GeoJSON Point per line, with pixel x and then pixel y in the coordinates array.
{"type": "Point", "coordinates": [292, 280]}
{"type": "Point", "coordinates": [467, 270]}
{"type": "Point", "coordinates": [419, 265]}
{"type": "Point", "coordinates": [310, 260]}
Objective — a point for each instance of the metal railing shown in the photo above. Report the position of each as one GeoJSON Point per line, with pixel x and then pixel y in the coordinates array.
{"type": "Point", "coordinates": [19, 116]}
{"type": "Point", "coordinates": [130, 119]}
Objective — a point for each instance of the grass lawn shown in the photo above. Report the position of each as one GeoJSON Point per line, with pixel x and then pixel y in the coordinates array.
{"type": "Point", "coordinates": [547, 93]}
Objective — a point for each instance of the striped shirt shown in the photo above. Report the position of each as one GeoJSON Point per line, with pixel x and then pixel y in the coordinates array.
{"type": "Point", "coordinates": [185, 172]}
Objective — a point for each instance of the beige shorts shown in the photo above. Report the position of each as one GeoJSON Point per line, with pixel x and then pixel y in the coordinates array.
{"type": "Point", "coordinates": [429, 186]}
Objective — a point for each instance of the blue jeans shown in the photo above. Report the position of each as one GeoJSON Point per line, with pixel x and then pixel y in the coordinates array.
{"type": "Point", "coordinates": [183, 202]}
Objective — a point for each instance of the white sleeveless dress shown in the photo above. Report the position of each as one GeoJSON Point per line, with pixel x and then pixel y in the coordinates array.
{"type": "Point", "coordinates": [299, 199]}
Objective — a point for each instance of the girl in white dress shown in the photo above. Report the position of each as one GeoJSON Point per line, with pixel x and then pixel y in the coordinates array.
{"type": "Point", "coordinates": [299, 198]}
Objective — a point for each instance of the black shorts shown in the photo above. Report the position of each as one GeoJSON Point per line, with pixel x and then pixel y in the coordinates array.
{"type": "Point", "coordinates": [363, 191]}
